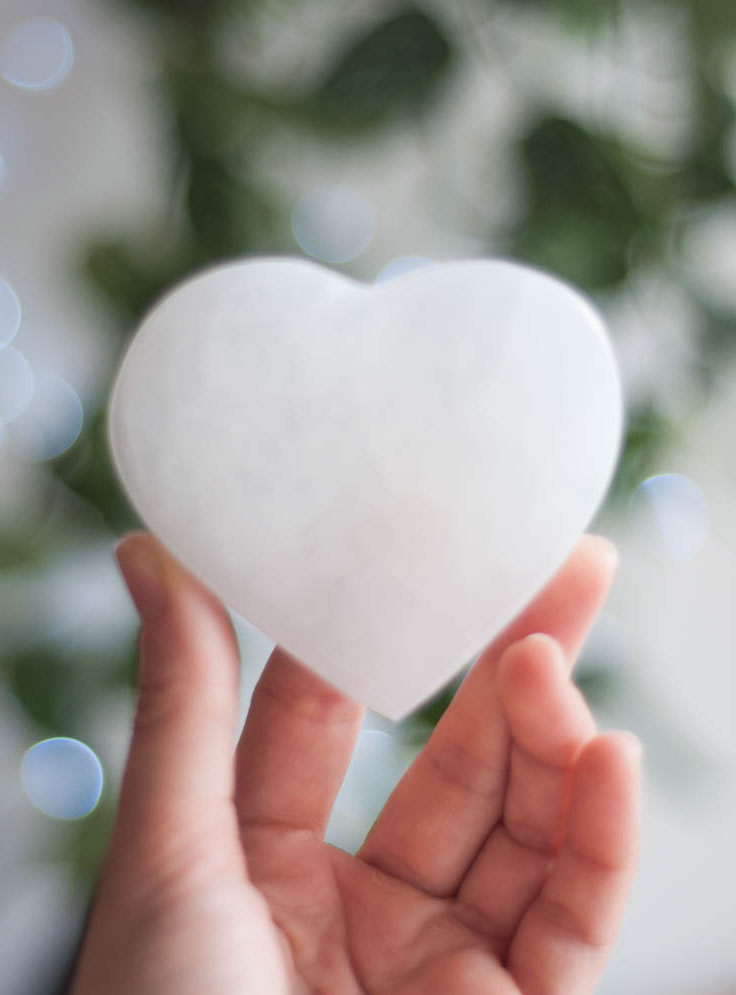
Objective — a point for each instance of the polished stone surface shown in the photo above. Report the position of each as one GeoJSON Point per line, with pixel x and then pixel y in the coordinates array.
{"type": "Point", "coordinates": [379, 478]}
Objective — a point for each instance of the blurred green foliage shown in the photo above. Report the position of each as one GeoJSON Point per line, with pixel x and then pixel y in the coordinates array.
{"type": "Point", "coordinates": [596, 209]}
{"type": "Point", "coordinates": [581, 219]}
{"type": "Point", "coordinates": [55, 684]}
{"type": "Point", "coordinates": [87, 471]}
{"type": "Point", "coordinates": [393, 70]}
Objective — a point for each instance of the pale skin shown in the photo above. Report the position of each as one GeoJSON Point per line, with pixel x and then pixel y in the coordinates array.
{"type": "Point", "coordinates": [499, 866]}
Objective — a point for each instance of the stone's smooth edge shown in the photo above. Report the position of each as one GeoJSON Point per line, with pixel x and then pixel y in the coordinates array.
{"type": "Point", "coordinates": [395, 710]}
{"type": "Point", "coordinates": [159, 528]}
{"type": "Point", "coordinates": [287, 263]}
{"type": "Point", "coordinates": [398, 711]}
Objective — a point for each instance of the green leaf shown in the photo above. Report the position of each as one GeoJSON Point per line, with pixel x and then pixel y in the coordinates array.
{"type": "Point", "coordinates": [581, 219]}
{"type": "Point", "coordinates": [430, 714]}
{"type": "Point", "coordinates": [87, 471]}
{"type": "Point", "coordinates": [56, 684]}
{"type": "Point", "coordinates": [421, 723]}
{"type": "Point", "coordinates": [18, 552]}
{"type": "Point", "coordinates": [392, 70]}
{"type": "Point", "coordinates": [228, 216]}
{"type": "Point", "coordinates": [211, 116]}
{"type": "Point", "coordinates": [582, 15]}
{"type": "Point", "coordinates": [705, 174]}
{"type": "Point", "coordinates": [124, 278]}
{"type": "Point", "coordinates": [123, 669]}
{"type": "Point", "coordinates": [712, 25]}
{"type": "Point", "coordinates": [196, 15]}
{"type": "Point", "coordinates": [47, 686]}
{"type": "Point", "coordinates": [86, 848]}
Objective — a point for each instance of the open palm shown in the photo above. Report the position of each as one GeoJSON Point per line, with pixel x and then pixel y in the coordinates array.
{"type": "Point", "coordinates": [499, 865]}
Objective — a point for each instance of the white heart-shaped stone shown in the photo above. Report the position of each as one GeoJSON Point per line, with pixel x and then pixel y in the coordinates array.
{"type": "Point", "coordinates": [379, 478]}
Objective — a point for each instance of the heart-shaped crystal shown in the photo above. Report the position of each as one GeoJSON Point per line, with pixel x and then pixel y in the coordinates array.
{"type": "Point", "coordinates": [379, 478]}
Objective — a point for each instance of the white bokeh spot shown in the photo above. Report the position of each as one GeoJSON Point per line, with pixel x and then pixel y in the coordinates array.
{"type": "Point", "coordinates": [36, 54]}
{"type": "Point", "coordinates": [334, 224]}
{"type": "Point", "coordinates": [62, 777]}
{"type": "Point", "coordinates": [16, 384]}
{"type": "Point", "coordinates": [52, 422]}
{"type": "Point", "coordinates": [672, 511]}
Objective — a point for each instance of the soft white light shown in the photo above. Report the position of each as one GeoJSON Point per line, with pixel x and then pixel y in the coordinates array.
{"type": "Point", "coordinates": [402, 265]}
{"type": "Point", "coordinates": [52, 422]}
{"type": "Point", "coordinates": [62, 777]}
{"type": "Point", "coordinates": [674, 511]}
{"type": "Point", "coordinates": [9, 308]}
{"type": "Point", "coordinates": [3, 171]}
{"type": "Point", "coordinates": [16, 384]}
{"type": "Point", "coordinates": [334, 224]}
{"type": "Point", "coordinates": [36, 54]}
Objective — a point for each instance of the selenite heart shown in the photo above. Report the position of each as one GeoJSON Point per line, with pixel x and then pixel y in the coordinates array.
{"type": "Point", "coordinates": [379, 478]}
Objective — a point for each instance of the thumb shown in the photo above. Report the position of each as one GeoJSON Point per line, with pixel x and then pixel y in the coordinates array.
{"type": "Point", "coordinates": [180, 763]}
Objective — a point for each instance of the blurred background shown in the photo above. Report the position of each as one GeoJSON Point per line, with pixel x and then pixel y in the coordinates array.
{"type": "Point", "coordinates": [142, 139]}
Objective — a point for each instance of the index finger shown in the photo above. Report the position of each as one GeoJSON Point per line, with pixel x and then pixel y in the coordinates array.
{"type": "Point", "coordinates": [294, 750]}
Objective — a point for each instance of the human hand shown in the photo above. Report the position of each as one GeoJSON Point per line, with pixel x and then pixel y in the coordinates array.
{"type": "Point", "coordinates": [499, 866]}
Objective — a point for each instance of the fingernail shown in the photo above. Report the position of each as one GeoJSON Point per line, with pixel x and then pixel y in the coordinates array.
{"type": "Point", "coordinates": [608, 549]}
{"type": "Point", "coordinates": [554, 649]}
{"type": "Point", "coordinates": [632, 742]}
{"type": "Point", "coordinates": [143, 575]}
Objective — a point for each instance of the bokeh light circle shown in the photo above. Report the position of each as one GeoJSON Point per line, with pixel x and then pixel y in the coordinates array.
{"type": "Point", "coordinates": [334, 223]}
{"type": "Point", "coordinates": [16, 384]}
{"type": "Point", "coordinates": [401, 266]}
{"type": "Point", "coordinates": [36, 54]}
{"type": "Point", "coordinates": [62, 777]}
{"type": "Point", "coordinates": [52, 422]}
{"type": "Point", "coordinates": [673, 512]}
{"type": "Point", "coordinates": [10, 312]}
